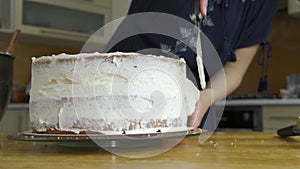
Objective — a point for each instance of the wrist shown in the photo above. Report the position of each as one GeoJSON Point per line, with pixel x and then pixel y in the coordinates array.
{"type": "Point", "coordinates": [206, 96]}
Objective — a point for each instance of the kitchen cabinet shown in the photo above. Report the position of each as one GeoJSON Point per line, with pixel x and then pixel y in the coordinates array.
{"type": "Point", "coordinates": [258, 114]}
{"type": "Point", "coordinates": [241, 118]}
{"type": "Point", "coordinates": [275, 117]}
{"type": "Point", "coordinates": [6, 15]}
{"type": "Point", "coordinates": [48, 21]}
{"type": "Point", "coordinates": [73, 20]}
{"type": "Point", "coordinates": [16, 119]}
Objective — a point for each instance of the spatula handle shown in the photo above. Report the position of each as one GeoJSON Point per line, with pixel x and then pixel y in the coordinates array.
{"type": "Point", "coordinates": [13, 40]}
{"type": "Point", "coordinates": [288, 131]}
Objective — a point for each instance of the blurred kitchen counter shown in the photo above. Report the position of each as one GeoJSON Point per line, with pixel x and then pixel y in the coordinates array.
{"type": "Point", "coordinates": [226, 150]}
{"type": "Point", "coordinates": [16, 106]}
{"type": "Point", "coordinates": [259, 102]}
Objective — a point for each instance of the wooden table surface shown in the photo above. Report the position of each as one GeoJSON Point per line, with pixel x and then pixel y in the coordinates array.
{"type": "Point", "coordinates": [222, 150]}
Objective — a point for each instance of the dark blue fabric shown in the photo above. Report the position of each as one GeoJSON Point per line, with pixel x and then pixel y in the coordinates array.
{"type": "Point", "coordinates": [230, 25]}
{"type": "Point", "coordinates": [236, 24]}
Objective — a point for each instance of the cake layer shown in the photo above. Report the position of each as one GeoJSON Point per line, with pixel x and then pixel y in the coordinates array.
{"type": "Point", "coordinates": [104, 114]}
{"type": "Point", "coordinates": [68, 76]}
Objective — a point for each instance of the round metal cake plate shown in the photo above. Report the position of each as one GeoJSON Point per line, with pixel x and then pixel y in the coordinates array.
{"type": "Point", "coordinates": [101, 141]}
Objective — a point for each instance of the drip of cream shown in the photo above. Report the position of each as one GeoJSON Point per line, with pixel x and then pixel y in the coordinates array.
{"type": "Point", "coordinates": [199, 61]}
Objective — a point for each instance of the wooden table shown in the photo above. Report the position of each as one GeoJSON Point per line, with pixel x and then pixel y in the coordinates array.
{"type": "Point", "coordinates": [222, 150]}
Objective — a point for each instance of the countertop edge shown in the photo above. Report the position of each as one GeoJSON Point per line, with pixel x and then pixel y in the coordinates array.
{"type": "Point", "coordinates": [18, 106]}
{"type": "Point", "coordinates": [259, 102]}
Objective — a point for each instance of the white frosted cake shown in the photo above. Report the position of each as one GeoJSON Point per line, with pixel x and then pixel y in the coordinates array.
{"type": "Point", "coordinates": [110, 93]}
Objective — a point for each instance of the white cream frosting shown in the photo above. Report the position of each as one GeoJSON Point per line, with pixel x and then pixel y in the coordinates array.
{"type": "Point", "coordinates": [107, 92]}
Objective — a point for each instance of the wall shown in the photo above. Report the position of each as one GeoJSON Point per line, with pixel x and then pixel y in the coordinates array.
{"type": "Point", "coordinates": [23, 53]}
{"type": "Point", "coordinates": [285, 39]}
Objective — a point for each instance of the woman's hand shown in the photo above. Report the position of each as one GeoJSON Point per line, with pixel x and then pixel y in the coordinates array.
{"type": "Point", "coordinates": [201, 108]}
{"type": "Point", "coordinates": [223, 83]}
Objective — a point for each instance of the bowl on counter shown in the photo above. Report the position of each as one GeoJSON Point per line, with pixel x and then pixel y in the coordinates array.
{"type": "Point", "coordinates": [6, 77]}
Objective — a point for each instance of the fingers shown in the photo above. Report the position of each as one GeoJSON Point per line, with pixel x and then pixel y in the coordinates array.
{"type": "Point", "coordinates": [195, 119]}
{"type": "Point", "coordinates": [201, 107]}
{"type": "Point", "coordinates": [203, 7]}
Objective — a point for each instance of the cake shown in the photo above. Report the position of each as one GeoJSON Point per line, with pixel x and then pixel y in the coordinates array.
{"type": "Point", "coordinates": [110, 93]}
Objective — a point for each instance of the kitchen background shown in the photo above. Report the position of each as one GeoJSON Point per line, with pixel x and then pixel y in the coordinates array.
{"type": "Point", "coordinates": [41, 39]}
{"type": "Point", "coordinates": [284, 37]}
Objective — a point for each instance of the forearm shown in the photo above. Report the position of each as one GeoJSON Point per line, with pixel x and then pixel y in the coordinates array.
{"type": "Point", "coordinates": [226, 81]}
{"type": "Point", "coordinates": [223, 83]}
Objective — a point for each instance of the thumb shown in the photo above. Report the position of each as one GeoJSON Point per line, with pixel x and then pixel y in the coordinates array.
{"type": "Point", "coordinates": [203, 7]}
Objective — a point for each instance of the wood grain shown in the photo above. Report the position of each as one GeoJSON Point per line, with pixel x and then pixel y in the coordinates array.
{"type": "Point", "coordinates": [223, 150]}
